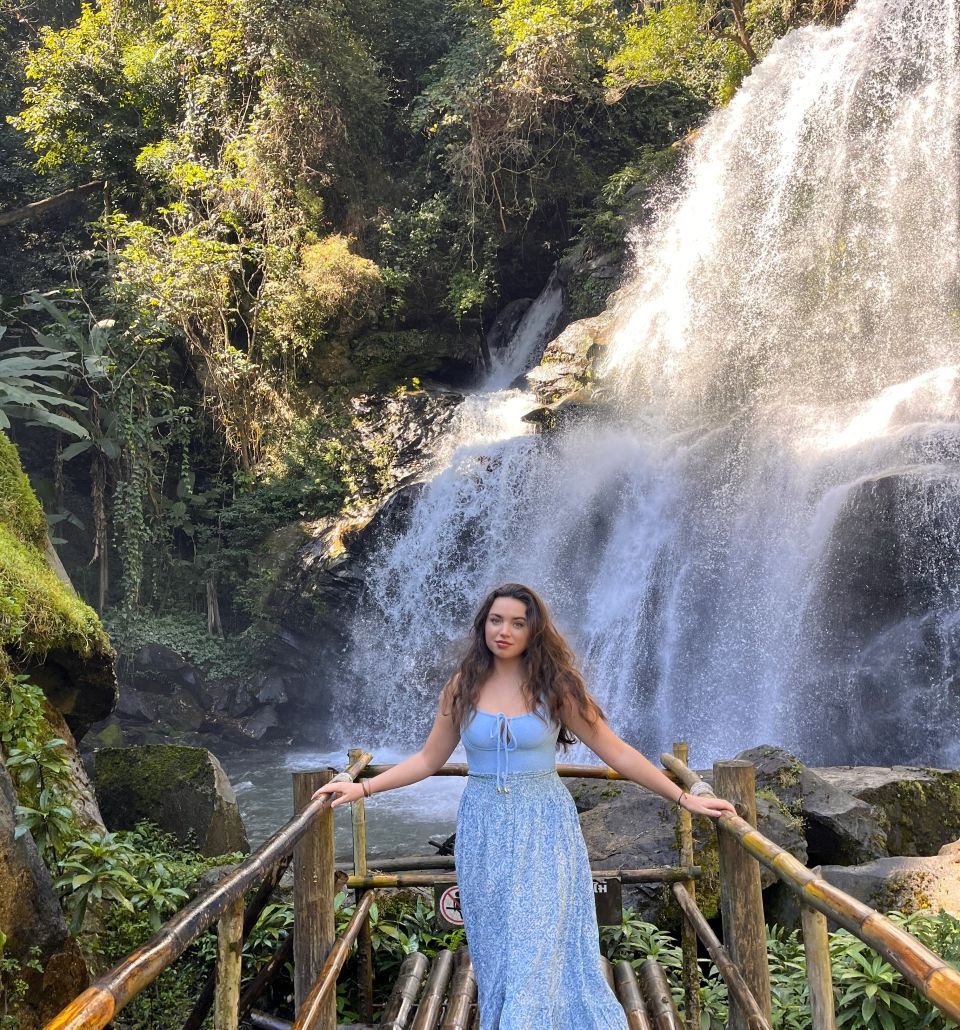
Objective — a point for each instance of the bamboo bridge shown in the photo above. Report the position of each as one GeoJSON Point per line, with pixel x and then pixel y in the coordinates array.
{"type": "Point", "coordinates": [442, 995]}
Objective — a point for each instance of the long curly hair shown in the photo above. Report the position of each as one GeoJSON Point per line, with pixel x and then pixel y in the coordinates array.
{"type": "Point", "coordinates": [550, 678]}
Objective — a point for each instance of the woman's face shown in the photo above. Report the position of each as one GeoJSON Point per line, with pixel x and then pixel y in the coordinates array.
{"type": "Point", "coordinates": [507, 630]}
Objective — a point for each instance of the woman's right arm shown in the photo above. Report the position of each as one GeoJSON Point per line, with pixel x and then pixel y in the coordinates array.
{"type": "Point", "coordinates": [437, 748]}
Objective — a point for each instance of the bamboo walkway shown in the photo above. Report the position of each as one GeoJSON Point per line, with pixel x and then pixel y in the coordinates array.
{"type": "Point", "coordinates": [441, 995]}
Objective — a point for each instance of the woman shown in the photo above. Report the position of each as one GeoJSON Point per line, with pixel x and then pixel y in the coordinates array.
{"type": "Point", "coordinates": [525, 887]}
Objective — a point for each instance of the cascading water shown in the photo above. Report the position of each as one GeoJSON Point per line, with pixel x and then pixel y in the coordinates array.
{"type": "Point", "coordinates": [763, 544]}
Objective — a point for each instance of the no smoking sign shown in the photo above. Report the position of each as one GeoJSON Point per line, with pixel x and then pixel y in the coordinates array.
{"type": "Point", "coordinates": [446, 905]}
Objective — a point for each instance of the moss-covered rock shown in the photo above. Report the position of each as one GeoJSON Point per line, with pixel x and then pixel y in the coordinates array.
{"type": "Point", "coordinates": [46, 631]}
{"type": "Point", "coordinates": [919, 809]}
{"type": "Point", "coordinates": [184, 790]}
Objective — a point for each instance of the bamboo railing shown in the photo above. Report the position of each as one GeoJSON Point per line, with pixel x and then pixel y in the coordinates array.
{"type": "Point", "coordinates": [450, 987]}
{"type": "Point", "coordinates": [100, 1002]}
{"type": "Point", "coordinates": [931, 975]}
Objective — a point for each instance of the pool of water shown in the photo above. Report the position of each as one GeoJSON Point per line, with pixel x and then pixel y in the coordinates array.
{"type": "Point", "coordinates": [398, 822]}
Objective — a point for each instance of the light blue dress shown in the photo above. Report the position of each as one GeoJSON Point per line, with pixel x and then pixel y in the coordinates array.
{"type": "Point", "coordinates": [525, 888]}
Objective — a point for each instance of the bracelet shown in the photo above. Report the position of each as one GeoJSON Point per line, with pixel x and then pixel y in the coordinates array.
{"type": "Point", "coordinates": [679, 799]}
{"type": "Point", "coordinates": [364, 786]}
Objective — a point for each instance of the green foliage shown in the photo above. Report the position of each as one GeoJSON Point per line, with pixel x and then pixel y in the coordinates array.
{"type": "Point", "coordinates": [673, 42]}
{"type": "Point", "coordinates": [13, 985]}
{"type": "Point", "coordinates": [38, 766]}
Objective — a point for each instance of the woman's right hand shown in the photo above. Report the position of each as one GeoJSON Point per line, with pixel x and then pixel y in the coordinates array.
{"type": "Point", "coordinates": [345, 790]}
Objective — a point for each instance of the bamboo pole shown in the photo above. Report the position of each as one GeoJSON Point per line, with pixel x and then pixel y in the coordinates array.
{"type": "Point", "coordinates": [229, 952]}
{"type": "Point", "coordinates": [403, 997]}
{"type": "Point", "coordinates": [741, 897]}
{"type": "Point", "coordinates": [264, 1021]}
{"type": "Point", "coordinates": [313, 895]}
{"type": "Point", "coordinates": [259, 983]}
{"type": "Point", "coordinates": [358, 822]}
{"type": "Point", "coordinates": [937, 981]}
{"type": "Point", "coordinates": [312, 1012]}
{"type": "Point", "coordinates": [431, 1004]}
{"type": "Point", "coordinates": [656, 992]}
{"type": "Point", "coordinates": [407, 863]}
{"type": "Point", "coordinates": [737, 986]}
{"type": "Point", "coordinates": [607, 970]}
{"type": "Point", "coordinates": [99, 1003]}
{"type": "Point", "coordinates": [655, 874]}
{"type": "Point", "coordinates": [688, 935]}
{"type": "Point", "coordinates": [250, 917]}
{"type": "Point", "coordinates": [816, 948]}
{"type": "Point", "coordinates": [628, 991]}
{"type": "Point", "coordinates": [564, 770]}
{"type": "Point", "coordinates": [463, 993]}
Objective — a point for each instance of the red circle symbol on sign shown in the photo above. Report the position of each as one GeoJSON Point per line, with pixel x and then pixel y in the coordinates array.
{"type": "Point", "coordinates": [450, 906]}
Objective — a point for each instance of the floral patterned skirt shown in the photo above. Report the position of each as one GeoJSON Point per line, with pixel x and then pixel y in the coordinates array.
{"type": "Point", "coordinates": [527, 900]}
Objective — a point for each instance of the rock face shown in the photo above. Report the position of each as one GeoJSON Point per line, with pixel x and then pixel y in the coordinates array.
{"type": "Point", "coordinates": [47, 632]}
{"type": "Point", "coordinates": [889, 637]}
{"type": "Point", "coordinates": [907, 884]}
{"type": "Point", "coordinates": [184, 790]}
{"type": "Point", "coordinates": [30, 917]}
{"type": "Point", "coordinates": [838, 826]}
{"type": "Point", "coordinates": [627, 827]}
{"type": "Point", "coordinates": [918, 809]}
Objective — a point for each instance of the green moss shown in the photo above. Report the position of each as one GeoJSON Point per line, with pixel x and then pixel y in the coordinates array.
{"type": "Point", "coordinates": [386, 358]}
{"type": "Point", "coordinates": [37, 612]}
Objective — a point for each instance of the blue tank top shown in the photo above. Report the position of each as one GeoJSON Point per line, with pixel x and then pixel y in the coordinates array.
{"type": "Point", "coordinates": [498, 744]}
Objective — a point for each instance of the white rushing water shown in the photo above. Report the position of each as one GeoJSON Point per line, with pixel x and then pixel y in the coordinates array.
{"type": "Point", "coordinates": [763, 544]}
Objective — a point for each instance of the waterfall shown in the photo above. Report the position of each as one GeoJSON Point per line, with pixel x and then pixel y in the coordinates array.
{"type": "Point", "coordinates": [762, 542]}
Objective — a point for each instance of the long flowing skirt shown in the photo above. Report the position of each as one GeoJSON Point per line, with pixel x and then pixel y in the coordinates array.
{"type": "Point", "coordinates": [527, 902]}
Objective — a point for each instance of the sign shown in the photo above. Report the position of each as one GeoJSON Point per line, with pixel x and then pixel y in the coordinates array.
{"type": "Point", "coordinates": [608, 896]}
{"type": "Point", "coordinates": [446, 905]}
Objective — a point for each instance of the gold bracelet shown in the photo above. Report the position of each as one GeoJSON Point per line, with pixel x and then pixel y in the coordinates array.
{"type": "Point", "coordinates": [364, 787]}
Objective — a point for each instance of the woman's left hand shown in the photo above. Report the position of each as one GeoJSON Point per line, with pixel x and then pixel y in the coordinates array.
{"type": "Point", "coordinates": [711, 807]}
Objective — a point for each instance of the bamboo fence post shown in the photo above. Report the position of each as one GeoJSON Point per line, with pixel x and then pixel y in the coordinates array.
{"type": "Point", "coordinates": [688, 935]}
{"type": "Point", "coordinates": [816, 947]}
{"type": "Point", "coordinates": [463, 993]}
{"type": "Point", "coordinates": [741, 899]}
{"type": "Point", "coordinates": [403, 997]}
{"type": "Point", "coordinates": [628, 991]}
{"type": "Point", "coordinates": [311, 1012]}
{"type": "Point", "coordinates": [358, 821]}
{"type": "Point", "coordinates": [656, 991]}
{"type": "Point", "coordinates": [229, 951]}
{"type": "Point", "coordinates": [313, 894]}
{"type": "Point", "coordinates": [431, 1004]}
{"type": "Point", "coordinates": [732, 976]}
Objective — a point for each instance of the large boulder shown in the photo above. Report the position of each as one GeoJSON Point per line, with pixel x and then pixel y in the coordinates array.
{"type": "Point", "coordinates": [918, 809]}
{"type": "Point", "coordinates": [838, 826]}
{"type": "Point", "coordinates": [902, 883]}
{"type": "Point", "coordinates": [184, 790]}
{"type": "Point", "coordinates": [627, 827]}
{"type": "Point", "coordinates": [30, 918]}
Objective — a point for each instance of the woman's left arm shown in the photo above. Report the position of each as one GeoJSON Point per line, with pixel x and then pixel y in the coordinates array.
{"type": "Point", "coordinates": [628, 761]}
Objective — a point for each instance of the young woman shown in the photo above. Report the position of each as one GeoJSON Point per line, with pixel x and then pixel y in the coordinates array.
{"type": "Point", "coordinates": [525, 887]}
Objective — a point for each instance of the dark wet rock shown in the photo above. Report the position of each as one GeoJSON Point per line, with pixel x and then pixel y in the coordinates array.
{"type": "Point", "coordinates": [158, 669]}
{"type": "Point", "coordinates": [262, 725]}
{"type": "Point", "coordinates": [505, 324]}
{"type": "Point", "coordinates": [30, 917]}
{"type": "Point", "coordinates": [919, 809]}
{"type": "Point", "coordinates": [888, 680]}
{"type": "Point", "coordinates": [838, 826]}
{"type": "Point", "coordinates": [184, 790]}
{"type": "Point", "coordinates": [902, 883]}
{"type": "Point", "coordinates": [83, 688]}
{"type": "Point", "coordinates": [626, 826]}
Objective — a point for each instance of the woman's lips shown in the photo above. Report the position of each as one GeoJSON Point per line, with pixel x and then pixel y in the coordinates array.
{"type": "Point", "coordinates": [503, 643]}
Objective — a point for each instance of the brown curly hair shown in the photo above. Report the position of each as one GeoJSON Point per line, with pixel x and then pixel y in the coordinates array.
{"type": "Point", "coordinates": [551, 677]}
